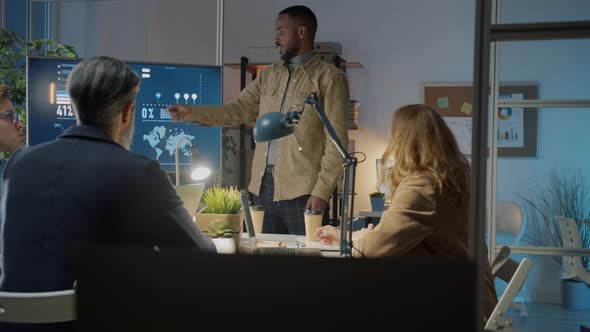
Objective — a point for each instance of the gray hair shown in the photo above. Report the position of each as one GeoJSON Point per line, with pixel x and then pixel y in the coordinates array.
{"type": "Point", "coordinates": [100, 88]}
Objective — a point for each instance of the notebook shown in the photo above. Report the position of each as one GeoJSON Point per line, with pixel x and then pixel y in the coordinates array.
{"type": "Point", "coordinates": [251, 247]}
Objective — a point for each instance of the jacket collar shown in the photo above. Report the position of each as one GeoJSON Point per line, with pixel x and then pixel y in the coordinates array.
{"type": "Point", "coordinates": [302, 59]}
{"type": "Point", "coordinates": [88, 132]}
{"type": "Point", "coordinates": [306, 66]}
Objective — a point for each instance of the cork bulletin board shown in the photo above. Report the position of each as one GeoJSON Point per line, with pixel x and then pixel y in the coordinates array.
{"type": "Point", "coordinates": [517, 127]}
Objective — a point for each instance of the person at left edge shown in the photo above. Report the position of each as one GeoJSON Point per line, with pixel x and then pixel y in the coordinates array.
{"type": "Point", "coordinates": [86, 189]}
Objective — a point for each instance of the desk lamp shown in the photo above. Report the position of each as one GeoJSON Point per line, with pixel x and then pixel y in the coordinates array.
{"type": "Point", "coordinates": [198, 170]}
{"type": "Point", "coordinates": [275, 125]}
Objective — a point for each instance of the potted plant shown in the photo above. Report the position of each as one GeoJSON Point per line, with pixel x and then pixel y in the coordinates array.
{"type": "Point", "coordinates": [221, 204]}
{"type": "Point", "coordinates": [377, 201]}
{"type": "Point", "coordinates": [13, 50]}
{"type": "Point", "coordinates": [566, 195]}
{"type": "Point", "coordinates": [220, 233]}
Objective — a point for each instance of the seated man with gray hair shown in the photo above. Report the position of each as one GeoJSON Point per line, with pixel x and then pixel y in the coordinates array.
{"type": "Point", "coordinates": [86, 189]}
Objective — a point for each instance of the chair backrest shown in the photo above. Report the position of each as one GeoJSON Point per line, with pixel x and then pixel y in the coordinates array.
{"type": "Point", "coordinates": [570, 236]}
{"type": "Point", "coordinates": [46, 307]}
{"type": "Point", "coordinates": [514, 274]}
{"type": "Point", "coordinates": [509, 218]}
{"type": "Point", "coordinates": [503, 266]}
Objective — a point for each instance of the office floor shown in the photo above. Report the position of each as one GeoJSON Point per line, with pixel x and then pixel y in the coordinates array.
{"type": "Point", "coordinates": [543, 317]}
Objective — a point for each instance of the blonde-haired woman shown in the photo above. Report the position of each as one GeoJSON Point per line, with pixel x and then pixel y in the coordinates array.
{"type": "Point", "coordinates": [428, 186]}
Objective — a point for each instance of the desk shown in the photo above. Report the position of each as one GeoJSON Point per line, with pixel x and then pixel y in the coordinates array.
{"type": "Point", "coordinates": [369, 215]}
{"type": "Point", "coordinates": [289, 240]}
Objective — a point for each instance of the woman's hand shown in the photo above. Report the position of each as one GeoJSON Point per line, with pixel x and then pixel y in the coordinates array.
{"type": "Point", "coordinates": [362, 232]}
{"type": "Point", "coordinates": [328, 235]}
{"type": "Point", "coordinates": [331, 235]}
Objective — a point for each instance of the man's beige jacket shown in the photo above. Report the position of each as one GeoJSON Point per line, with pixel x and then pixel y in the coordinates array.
{"type": "Point", "coordinates": [317, 166]}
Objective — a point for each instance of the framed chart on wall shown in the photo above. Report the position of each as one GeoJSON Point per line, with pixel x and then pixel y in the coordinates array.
{"type": "Point", "coordinates": [517, 127]}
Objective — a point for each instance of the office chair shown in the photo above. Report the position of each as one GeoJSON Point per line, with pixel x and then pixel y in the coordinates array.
{"type": "Point", "coordinates": [510, 226]}
{"type": "Point", "coordinates": [510, 220]}
{"type": "Point", "coordinates": [515, 274]}
{"type": "Point", "coordinates": [572, 265]}
{"type": "Point", "coordinates": [38, 308]}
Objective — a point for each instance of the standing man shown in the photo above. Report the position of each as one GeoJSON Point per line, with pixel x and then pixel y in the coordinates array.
{"type": "Point", "coordinates": [86, 189]}
{"type": "Point", "coordinates": [291, 174]}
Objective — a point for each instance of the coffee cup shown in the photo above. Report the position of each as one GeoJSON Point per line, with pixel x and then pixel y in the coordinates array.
{"type": "Point", "coordinates": [257, 213]}
{"type": "Point", "coordinates": [313, 220]}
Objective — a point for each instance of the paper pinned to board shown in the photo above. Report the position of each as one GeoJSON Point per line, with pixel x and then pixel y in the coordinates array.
{"type": "Point", "coordinates": [466, 108]}
{"type": "Point", "coordinates": [461, 127]}
{"type": "Point", "coordinates": [443, 102]}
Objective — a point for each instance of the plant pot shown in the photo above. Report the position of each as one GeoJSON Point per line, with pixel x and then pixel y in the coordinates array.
{"type": "Point", "coordinates": [575, 294]}
{"type": "Point", "coordinates": [203, 220]}
{"type": "Point", "coordinates": [377, 203]}
{"type": "Point", "coordinates": [225, 245]}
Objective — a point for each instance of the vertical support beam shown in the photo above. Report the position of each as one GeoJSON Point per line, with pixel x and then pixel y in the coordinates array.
{"type": "Point", "coordinates": [477, 200]}
{"type": "Point", "coordinates": [2, 13]}
{"type": "Point", "coordinates": [493, 117]}
{"type": "Point", "coordinates": [219, 62]}
{"type": "Point", "coordinates": [47, 14]}
{"type": "Point", "coordinates": [219, 48]}
{"type": "Point", "coordinates": [30, 21]}
{"type": "Point", "coordinates": [242, 152]}
{"type": "Point", "coordinates": [243, 71]}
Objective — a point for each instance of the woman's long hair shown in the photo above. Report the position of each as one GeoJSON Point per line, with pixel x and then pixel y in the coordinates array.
{"type": "Point", "coordinates": [422, 144]}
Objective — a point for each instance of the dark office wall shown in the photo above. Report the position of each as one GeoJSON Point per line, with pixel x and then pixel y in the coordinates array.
{"type": "Point", "coordinates": [15, 16]}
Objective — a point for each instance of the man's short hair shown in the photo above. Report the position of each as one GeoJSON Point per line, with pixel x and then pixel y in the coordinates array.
{"type": "Point", "coordinates": [4, 91]}
{"type": "Point", "coordinates": [304, 16]}
{"type": "Point", "coordinates": [99, 88]}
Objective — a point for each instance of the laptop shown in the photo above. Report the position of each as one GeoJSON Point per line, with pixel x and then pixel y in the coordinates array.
{"type": "Point", "coordinates": [251, 245]}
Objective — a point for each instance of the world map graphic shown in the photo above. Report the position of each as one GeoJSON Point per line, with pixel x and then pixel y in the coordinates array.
{"type": "Point", "coordinates": [163, 140]}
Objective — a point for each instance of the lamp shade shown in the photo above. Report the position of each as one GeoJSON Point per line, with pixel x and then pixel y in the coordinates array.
{"type": "Point", "coordinates": [271, 126]}
{"type": "Point", "coordinates": [199, 169]}
{"type": "Point", "coordinates": [200, 173]}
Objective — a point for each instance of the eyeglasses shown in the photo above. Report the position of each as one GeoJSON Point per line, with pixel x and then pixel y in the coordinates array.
{"type": "Point", "coordinates": [11, 116]}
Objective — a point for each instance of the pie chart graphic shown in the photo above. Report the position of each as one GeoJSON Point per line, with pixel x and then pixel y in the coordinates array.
{"type": "Point", "coordinates": [505, 113]}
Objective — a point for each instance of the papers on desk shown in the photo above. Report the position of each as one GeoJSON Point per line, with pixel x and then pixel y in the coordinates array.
{"type": "Point", "coordinates": [266, 243]}
{"type": "Point", "coordinates": [298, 241]}
{"type": "Point", "coordinates": [323, 247]}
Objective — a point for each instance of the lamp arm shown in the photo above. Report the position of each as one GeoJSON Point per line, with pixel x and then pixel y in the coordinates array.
{"type": "Point", "coordinates": [350, 163]}
{"type": "Point", "coordinates": [177, 158]}
{"type": "Point", "coordinates": [313, 100]}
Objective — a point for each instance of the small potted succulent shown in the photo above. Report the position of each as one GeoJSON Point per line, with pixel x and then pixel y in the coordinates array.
{"type": "Point", "coordinates": [377, 201]}
{"type": "Point", "coordinates": [221, 234]}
